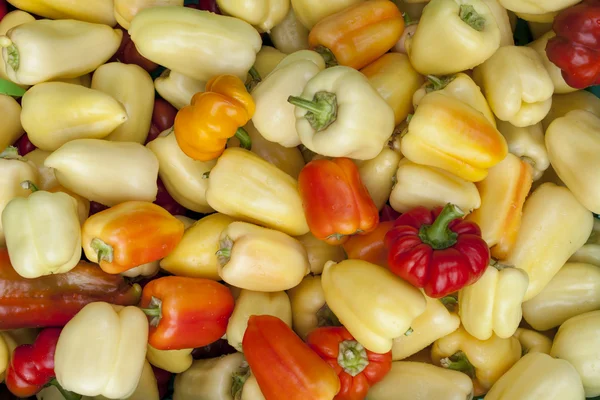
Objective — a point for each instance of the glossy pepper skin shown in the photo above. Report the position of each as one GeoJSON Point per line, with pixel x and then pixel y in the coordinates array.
{"type": "Point", "coordinates": [186, 312]}
{"type": "Point", "coordinates": [357, 367]}
{"type": "Point", "coordinates": [335, 201]}
{"type": "Point", "coordinates": [436, 250]}
{"type": "Point", "coordinates": [370, 247]}
{"type": "Point", "coordinates": [576, 47]}
{"type": "Point", "coordinates": [52, 300]}
{"type": "Point", "coordinates": [203, 128]}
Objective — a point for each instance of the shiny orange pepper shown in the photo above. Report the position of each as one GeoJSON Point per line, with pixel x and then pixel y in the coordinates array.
{"type": "Point", "coordinates": [203, 128]}
{"type": "Point", "coordinates": [358, 35]}
{"type": "Point", "coordinates": [370, 247]}
{"type": "Point", "coordinates": [130, 234]}
{"type": "Point", "coordinates": [335, 201]}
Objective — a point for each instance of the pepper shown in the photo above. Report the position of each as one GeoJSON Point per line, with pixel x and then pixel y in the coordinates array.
{"type": "Point", "coordinates": [562, 104]}
{"type": "Point", "coordinates": [11, 128]}
{"type": "Point", "coordinates": [339, 114]}
{"type": "Point", "coordinates": [175, 361]}
{"type": "Point", "coordinates": [365, 299]}
{"type": "Point", "coordinates": [378, 175]}
{"type": "Point", "coordinates": [262, 14]}
{"type": "Point", "coordinates": [185, 312]}
{"type": "Point", "coordinates": [539, 45]}
{"type": "Point", "coordinates": [447, 133]}
{"type": "Point", "coordinates": [284, 366]}
{"type": "Point", "coordinates": [266, 60]}
{"type": "Point", "coordinates": [244, 186]}
{"type": "Point", "coordinates": [261, 259]}
{"type": "Point", "coordinates": [9, 21]}
{"type": "Point", "coordinates": [369, 247]}
{"type": "Point", "coordinates": [436, 250]}
{"type": "Point", "coordinates": [55, 113]}
{"type": "Point", "coordinates": [177, 88]}
{"type": "Point", "coordinates": [516, 85]}
{"type": "Point", "coordinates": [55, 42]}
{"type": "Point", "coordinates": [289, 35]}
{"type": "Point", "coordinates": [453, 36]}
{"type": "Point", "coordinates": [46, 179]}
{"type": "Point", "coordinates": [420, 185]}
{"type": "Point", "coordinates": [554, 225]}
{"type": "Point", "coordinates": [181, 175]}
{"type": "Point", "coordinates": [203, 127]}
{"type": "Point", "coordinates": [125, 10]}
{"type": "Point", "coordinates": [250, 303]}
{"type": "Point", "coordinates": [182, 40]}
{"type": "Point", "coordinates": [536, 7]}
{"type": "Point", "coordinates": [130, 234]}
{"type": "Point", "coordinates": [97, 11]}
{"type": "Point", "coordinates": [589, 253]}
{"type": "Point", "coordinates": [335, 201]}
{"type": "Point", "coordinates": [309, 12]}
{"type": "Point", "coordinates": [9, 341]}
{"type": "Point", "coordinates": [146, 270]}
{"type": "Point", "coordinates": [527, 143]}
{"type": "Point", "coordinates": [532, 341]}
{"type": "Point", "coordinates": [503, 20]}
{"type": "Point", "coordinates": [93, 168]}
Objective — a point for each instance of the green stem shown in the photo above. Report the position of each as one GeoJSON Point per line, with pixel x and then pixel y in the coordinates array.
{"type": "Point", "coordinates": [328, 56]}
{"type": "Point", "coordinates": [9, 88]}
{"type": "Point", "coordinates": [11, 153]}
{"type": "Point", "coordinates": [12, 51]}
{"type": "Point", "coordinates": [438, 235]}
{"type": "Point", "coordinates": [154, 311]}
{"type": "Point", "coordinates": [471, 17]}
{"type": "Point", "coordinates": [352, 357]}
{"type": "Point", "coordinates": [326, 317]}
{"type": "Point", "coordinates": [206, 175]}
{"type": "Point", "coordinates": [409, 332]}
{"type": "Point", "coordinates": [254, 80]}
{"type": "Point", "coordinates": [103, 250]}
{"type": "Point", "coordinates": [65, 393]}
{"type": "Point", "coordinates": [438, 83]}
{"type": "Point", "coordinates": [28, 185]}
{"type": "Point", "coordinates": [322, 109]}
{"type": "Point", "coordinates": [224, 252]}
{"type": "Point", "coordinates": [244, 138]}
{"type": "Point", "coordinates": [459, 362]}
{"type": "Point", "coordinates": [407, 18]}
{"type": "Point", "coordinates": [499, 266]}
{"type": "Point", "coordinates": [239, 378]}
{"type": "Point", "coordinates": [450, 302]}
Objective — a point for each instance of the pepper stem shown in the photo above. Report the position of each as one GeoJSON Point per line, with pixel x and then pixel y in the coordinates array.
{"type": "Point", "coordinates": [328, 56]}
{"type": "Point", "coordinates": [12, 51]}
{"type": "Point", "coordinates": [499, 266]}
{"type": "Point", "coordinates": [438, 235]}
{"type": "Point", "coordinates": [224, 252]}
{"type": "Point", "coordinates": [438, 83]}
{"type": "Point", "coordinates": [10, 152]}
{"type": "Point", "coordinates": [65, 393]}
{"type": "Point", "coordinates": [244, 138]}
{"type": "Point", "coordinates": [459, 362]}
{"type": "Point", "coordinates": [471, 17]}
{"type": "Point", "coordinates": [254, 79]}
{"type": "Point", "coordinates": [28, 185]}
{"type": "Point", "coordinates": [239, 378]}
{"type": "Point", "coordinates": [352, 357]}
{"type": "Point", "coordinates": [450, 302]}
{"type": "Point", "coordinates": [322, 109]}
{"type": "Point", "coordinates": [326, 317]}
{"type": "Point", "coordinates": [104, 250]}
{"type": "Point", "coordinates": [154, 311]}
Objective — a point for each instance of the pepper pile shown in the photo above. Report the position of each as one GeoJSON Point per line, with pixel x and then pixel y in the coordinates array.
{"type": "Point", "coordinates": [299, 199]}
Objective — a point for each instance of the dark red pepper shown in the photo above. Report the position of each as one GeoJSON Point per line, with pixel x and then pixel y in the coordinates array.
{"type": "Point", "coordinates": [207, 5]}
{"type": "Point", "coordinates": [162, 381]}
{"type": "Point", "coordinates": [437, 250]}
{"type": "Point", "coordinates": [576, 47]}
{"type": "Point", "coordinates": [166, 201]}
{"type": "Point", "coordinates": [3, 9]}
{"type": "Point", "coordinates": [24, 145]}
{"type": "Point", "coordinates": [163, 117]}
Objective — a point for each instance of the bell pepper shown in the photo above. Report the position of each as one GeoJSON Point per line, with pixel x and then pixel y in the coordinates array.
{"type": "Point", "coordinates": [554, 225]}
{"type": "Point", "coordinates": [9, 21]}
{"type": "Point", "coordinates": [250, 303]}
{"type": "Point", "coordinates": [365, 299]}
{"type": "Point", "coordinates": [55, 113]}
{"type": "Point", "coordinates": [310, 12]}
{"type": "Point", "coordinates": [358, 35]}
{"type": "Point", "coordinates": [109, 364]}
{"type": "Point", "coordinates": [436, 250]}
{"type": "Point", "coordinates": [284, 366]}
{"type": "Point", "coordinates": [532, 341]}
{"type": "Point", "coordinates": [369, 247]}
{"type": "Point", "coordinates": [186, 312]}
{"type": "Point", "coordinates": [336, 202]}
{"type": "Point", "coordinates": [562, 104]}
{"type": "Point", "coordinates": [420, 185]}
{"type": "Point", "coordinates": [503, 194]}
{"type": "Point", "coordinates": [501, 78]}
{"type": "Point", "coordinates": [447, 133]}
{"type": "Point", "coordinates": [243, 185]}
{"type": "Point", "coordinates": [52, 43]}
{"type": "Point", "coordinates": [11, 128]}
{"type": "Point", "coordinates": [175, 361]}
{"type": "Point", "coordinates": [589, 253]}
{"type": "Point", "coordinates": [182, 39]}
{"type": "Point", "coordinates": [177, 88]}
{"type": "Point", "coordinates": [130, 234]}
{"type": "Point", "coordinates": [131, 86]}
{"type": "Point", "coordinates": [332, 120]}
{"type": "Point", "coordinates": [289, 35]}
{"type": "Point", "coordinates": [42, 246]}
{"type": "Point", "coordinates": [396, 80]}
{"type": "Point", "coordinates": [536, 7]}
{"type": "Point", "coordinates": [266, 60]}
{"type": "Point", "coordinates": [539, 45]}
{"type": "Point", "coordinates": [528, 144]}
{"type": "Point", "coordinates": [97, 11]}
{"type": "Point", "coordinates": [9, 341]}
{"type": "Point", "coordinates": [416, 380]}
{"type": "Point", "coordinates": [46, 178]}
{"type": "Point", "coordinates": [94, 169]}
{"type": "Point", "coordinates": [146, 270]}
{"type": "Point", "coordinates": [255, 258]}
{"type": "Point", "coordinates": [125, 10]}
{"type": "Point", "coordinates": [83, 205]}
{"type": "Point", "coordinates": [378, 175]}
{"type": "Point", "coordinates": [503, 20]}
{"type": "Point", "coordinates": [484, 361]}
{"type": "Point", "coordinates": [453, 36]}
{"type": "Point", "coordinates": [262, 14]}
{"type": "Point", "coordinates": [181, 175]}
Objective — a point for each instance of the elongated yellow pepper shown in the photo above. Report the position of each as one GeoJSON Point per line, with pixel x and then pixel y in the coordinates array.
{"type": "Point", "coordinates": [177, 88]}
{"type": "Point", "coordinates": [533, 342]}
{"type": "Point", "coordinates": [378, 174]}
{"type": "Point", "coordinates": [98, 11]}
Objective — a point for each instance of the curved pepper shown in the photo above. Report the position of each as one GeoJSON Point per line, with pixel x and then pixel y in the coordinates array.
{"type": "Point", "coordinates": [262, 14]}
{"type": "Point", "coordinates": [203, 128]}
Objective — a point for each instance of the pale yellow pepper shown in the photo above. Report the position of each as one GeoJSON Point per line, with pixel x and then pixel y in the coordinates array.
{"type": "Point", "coordinates": [125, 10]}
{"type": "Point", "coordinates": [533, 342]}
{"type": "Point", "coordinates": [378, 175]}
{"type": "Point", "coordinates": [98, 11]}
{"type": "Point", "coordinates": [9, 21]}
{"type": "Point", "coordinates": [545, 18]}
{"type": "Point", "coordinates": [319, 252]}
{"type": "Point", "coordinates": [262, 14]}
{"type": "Point", "coordinates": [174, 361]}
{"type": "Point", "coordinates": [503, 20]}
{"type": "Point", "coordinates": [267, 59]}
{"type": "Point", "coordinates": [83, 80]}
{"type": "Point", "coordinates": [176, 88]}
{"type": "Point", "coordinates": [289, 35]}
{"type": "Point", "coordinates": [528, 144]}
{"type": "Point", "coordinates": [589, 253]}
{"type": "Point", "coordinates": [562, 104]}
{"type": "Point", "coordinates": [309, 12]}
{"type": "Point", "coordinates": [11, 128]}
{"type": "Point", "coordinates": [555, 73]}
{"type": "Point", "coordinates": [46, 176]}
{"type": "Point", "coordinates": [309, 309]}
{"type": "Point", "coordinates": [536, 6]}
{"type": "Point", "coordinates": [83, 204]}
{"type": "Point", "coordinates": [145, 270]}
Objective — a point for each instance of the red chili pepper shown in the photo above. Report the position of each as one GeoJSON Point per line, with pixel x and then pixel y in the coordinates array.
{"type": "Point", "coordinates": [436, 250]}
{"type": "Point", "coordinates": [576, 47]}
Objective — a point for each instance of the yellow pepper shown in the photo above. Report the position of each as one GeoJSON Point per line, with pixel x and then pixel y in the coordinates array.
{"type": "Point", "coordinates": [46, 176]}
{"type": "Point", "coordinates": [55, 113]}
{"type": "Point", "coordinates": [83, 80]}
{"type": "Point", "coordinates": [108, 364]}
{"type": "Point", "coordinates": [53, 44]}
{"type": "Point", "coordinates": [177, 88]}
{"type": "Point", "coordinates": [95, 169]}
{"type": "Point", "coordinates": [319, 252]}
{"type": "Point", "coordinates": [174, 361]}
{"type": "Point", "coordinates": [309, 309]}
{"type": "Point", "coordinates": [245, 186]}
{"type": "Point", "coordinates": [516, 85]}
{"type": "Point", "coordinates": [539, 45]}
{"type": "Point", "coordinates": [98, 11]}
{"type": "Point", "coordinates": [589, 253]}
{"type": "Point", "coordinates": [453, 36]}
{"type": "Point", "coordinates": [421, 185]}
{"type": "Point", "coordinates": [562, 104]}
{"type": "Point", "coordinates": [261, 259]}
{"type": "Point", "coordinates": [9, 21]}
{"type": "Point", "coordinates": [132, 86]}
{"type": "Point", "coordinates": [415, 380]}
{"type": "Point", "coordinates": [396, 80]}
{"type": "Point", "coordinates": [532, 341]}
{"type": "Point", "coordinates": [262, 14]}
{"type": "Point", "coordinates": [378, 175]}
{"type": "Point", "coordinates": [503, 194]}
{"type": "Point", "coordinates": [309, 12]}
{"type": "Point", "coordinates": [528, 144]}
{"type": "Point", "coordinates": [503, 20]}
{"type": "Point", "coordinates": [181, 175]}
{"type": "Point", "coordinates": [485, 361]}
{"type": "Point", "coordinates": [187, 221]}
{"type": "Point", "coordinates": [183, 40]}
{"type": "Point", "coordinates": [266, 60]}
{"type": "Point", "coordinates": [289, 35]}
{"type": "Point", "coordinates": [145, 270]}
{"type": "Point", "coordinates": [256, 303]}
{"type": "Point", "coordinates": [436, 322]}
{"type": "Point", "coordinates": [574, 290]}
{"type": "Point", "coordinates": [11, 128]}
{"type": "Point", "coordinates": [536, 7]}
{"type": "Point", "coordinates": [251, 390]}
{"type": "Point", "coordinates": [554, 225]}
{"type": "Point", "coordinates": [542, 18]}
{"type": "Point", "coordinates": [371, 302]}
{"type": "Point", "coordinates": [125, 10]}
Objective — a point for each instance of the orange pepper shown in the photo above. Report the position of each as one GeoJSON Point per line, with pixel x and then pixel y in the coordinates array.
{"type": "Point", "coordinates": [370, 247]}
{"type": "Point", "coordinates": [130, 234]}
{"type": "Point", "coordinates": [358, 35]}
{"type": "Point", "coordinates": [203, 128]}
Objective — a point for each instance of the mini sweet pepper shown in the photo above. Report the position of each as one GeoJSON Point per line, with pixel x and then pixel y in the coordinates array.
{"type": "Point", "coordinates": [262, 14]}
{"type": "Point", "coordinates": [378, 174]}
{"type": "Point", "coordinates": [177, 88]}
{"type": "Point", "coordinates": [527, 143]}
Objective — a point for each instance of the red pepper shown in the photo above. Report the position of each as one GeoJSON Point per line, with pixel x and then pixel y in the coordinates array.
{"type": "Point", "coordinates": [335, 201]}
{"type": "Point", "coordinates": [3, 9]}
{"type": "Point", "coordinates": [163, 117]}
{"type": "Point", "coordinates": [436, 250]}
{"type": "Point", "coordinates": [166, 201]}
{"type": "Point", "coordinates": [357, 367]}
{"type": "Point", "coordinates": [24, 145]}
{"type": "Point", "coordinates": [576, 47]}
{"type": "Point", "coordinates": [162, 381]}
